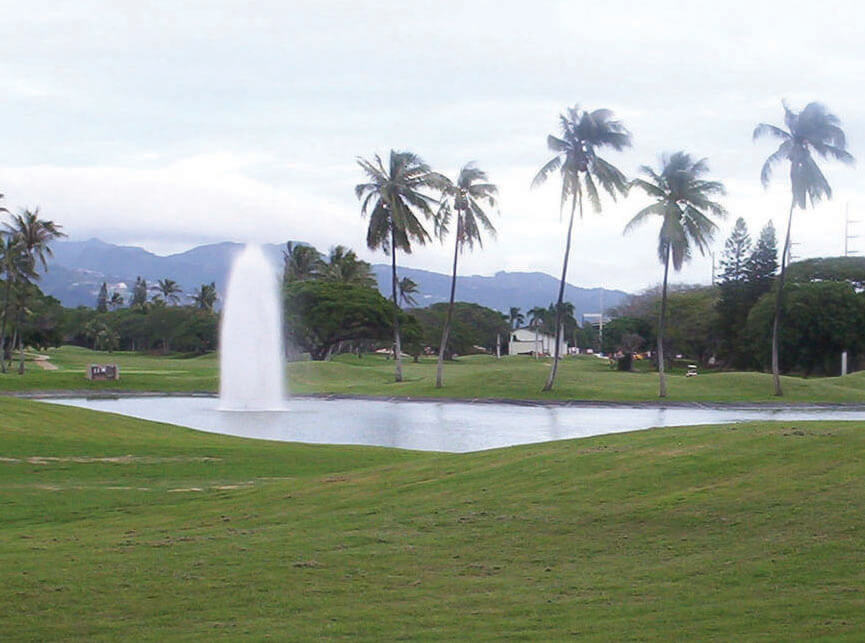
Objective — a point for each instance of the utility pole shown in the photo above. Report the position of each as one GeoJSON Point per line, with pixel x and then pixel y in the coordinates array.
{"type": "Point", "coordinates": [601, 328]}
{"type": "Point", "coordinates": [790, 255]}
{"type": "Point", "coordinates": [713, 266]}
{"type": "Point", "coordinates": [847, 235]}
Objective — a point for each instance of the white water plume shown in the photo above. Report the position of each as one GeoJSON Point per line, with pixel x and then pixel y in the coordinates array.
{"type": "Point", "coordinates": [251, 357]}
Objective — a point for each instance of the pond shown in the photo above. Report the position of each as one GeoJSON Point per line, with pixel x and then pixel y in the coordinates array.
{"type": "Point", "coordinates": [455, 427]}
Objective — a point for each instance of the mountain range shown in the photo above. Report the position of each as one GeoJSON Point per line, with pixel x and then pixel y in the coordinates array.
{"type": "Point", "coordinates": [79, 268]}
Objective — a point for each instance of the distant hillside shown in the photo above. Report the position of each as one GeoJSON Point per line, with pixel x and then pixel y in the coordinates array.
{"type": "Point", "coordinates": [79, 268]}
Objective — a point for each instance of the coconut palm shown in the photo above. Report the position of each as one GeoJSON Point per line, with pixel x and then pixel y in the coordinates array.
{"type": "Point", "coordinates": [464, 200]}
{"type": "Point", "coordinates": [407, 290]}
{"type": "Point", "coordinates": [683, 202]}
{"type": "Point", "coordinates": [814, 129]}
{"type": "Point", "coordinates": [205, 296]}
{"type": "Point", "coordinates": [170, 290]}
{"type": "Point", "coordinates": [537, 320]}
{"type": "Point", "coordinates": [34, 235]}
{"type": "Point", "coordinates": [300, 262]}
{"type": "Point", "coordinates": [16, 269]}
{"type": "Point", "coordinates": [343, 266]}
{"type": "Point", "coordinates": [516, 318]}
{"type": "Point", "coordinates": [583, 134]}
{"type": "Point", "coordinates": [394, 200]}
{"type": "Point", "coordinates": [115, 301]}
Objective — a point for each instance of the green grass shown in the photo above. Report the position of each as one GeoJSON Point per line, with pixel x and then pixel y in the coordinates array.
{"type": "Point", "coordinates": [729, 533]}
{"type": "Point", "coordinates": [582, 378]}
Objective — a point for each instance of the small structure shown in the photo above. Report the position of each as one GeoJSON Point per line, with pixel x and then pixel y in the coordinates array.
{"type": "Point", "coordinates": [98, 372]}
{"type": "Point", "coordinates": [526, 341]}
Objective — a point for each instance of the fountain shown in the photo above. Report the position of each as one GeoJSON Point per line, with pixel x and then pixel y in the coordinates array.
{"type": "Point", "coordinates": [251, 357]}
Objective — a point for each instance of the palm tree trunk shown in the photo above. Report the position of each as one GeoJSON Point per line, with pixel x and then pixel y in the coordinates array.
{"type": "Point", "coordinates": [776, 323]}
{"type": "Point", "coordinates": [21, 340]}
{"type": "Point", "coordinates": [552, 377]}
{"type": "Point", "coordinates": [397, 346]}
{"type": "Point", "coordinates": [6, 295]}
{"type": "Point", "coordinates": [662, 384]}
{"type": "Point", "coordinates": [447, 327]}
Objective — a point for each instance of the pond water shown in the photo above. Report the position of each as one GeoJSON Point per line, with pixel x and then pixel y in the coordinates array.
{"type": "Point", "coordinates": [455, 427]}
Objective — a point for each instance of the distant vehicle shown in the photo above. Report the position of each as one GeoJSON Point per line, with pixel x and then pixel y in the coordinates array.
{"type": "Point", "coordinates": [692, 371]}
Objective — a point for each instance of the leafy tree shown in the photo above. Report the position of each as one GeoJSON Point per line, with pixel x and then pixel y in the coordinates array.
{"type": "Point", "coordinates": [205, 297]}
{"type": "Point", "coordinates": [583, 133]}
{"type": "Point", "coordinates": [102, 336]}
{"type": "Point", "coordinates": [849, 269]}
{"type": "Point", "coordinates": [683, 201]}
{"type": "Point", "coordinates": [813, 130]}
{"type": "Point", "coordinates": [102, 299]}
{"type": "Point", "coordinates": [823, 320]}
{"type": "Point", "coordinates": [516, 318]}
{"type": "Point", "coordinates": [170, 291]}
{"type": "Point", "coordinates": [343, 266]}
{"type": "Point", "coordinates": [629, 334]}
{"type": "Point", "coordinates": [139, 293]}
{"type": "Point", "coordinates": [472, 326]}
{"type": "Point", "coordinates": [394, 199]}
{"type": "Point", "coordinates": [463, 200]}
{"type": "Point", "coordinates": [321, 314]}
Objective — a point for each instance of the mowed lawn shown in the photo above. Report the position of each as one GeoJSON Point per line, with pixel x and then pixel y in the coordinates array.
{"type": "Point", "coordinates": [117, 528]}
{"type": "Point", "coordinates": [582, 378]}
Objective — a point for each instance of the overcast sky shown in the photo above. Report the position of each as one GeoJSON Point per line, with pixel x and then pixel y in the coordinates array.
{"type": "Point", "coordinates": [172, 124]}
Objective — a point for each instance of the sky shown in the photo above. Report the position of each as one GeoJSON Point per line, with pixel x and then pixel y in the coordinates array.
{"type": "Point", "coordinates": [169, 125]}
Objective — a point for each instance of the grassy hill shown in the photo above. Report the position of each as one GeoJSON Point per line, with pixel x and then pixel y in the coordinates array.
{"type": "Point", "coordinates": [581, 378]}
{"type": "Point", "coordinates": [118, 528]}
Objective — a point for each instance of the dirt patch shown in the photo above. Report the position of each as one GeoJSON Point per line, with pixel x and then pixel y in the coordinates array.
{"type": "Point", "coordinates": [120, 459]}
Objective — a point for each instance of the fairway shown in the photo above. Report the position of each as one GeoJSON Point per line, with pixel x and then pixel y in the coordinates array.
{"type": "Point", "coordinates": [119, 528]}
{"type": "Point", "coordinates": [471, 377]}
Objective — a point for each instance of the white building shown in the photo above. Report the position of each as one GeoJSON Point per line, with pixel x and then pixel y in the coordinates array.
{"type": "Point", "coordinates": [526, 341]}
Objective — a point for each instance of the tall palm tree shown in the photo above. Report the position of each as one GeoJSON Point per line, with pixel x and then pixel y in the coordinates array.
{"type": "Point", "coordinates": [814, 129]}
{"type": "Point", "coordinates": [407, 290]}
{"type": "Point", "coordinates": [394, 200]}
{"type": "Point", "coordinates": [516, 318]}
{"type": "Point", "coordinates": [16, 268]}
{"type": "Point", "coordinates": [170, 290]}
{"type": "Point", "coordinates": [683, 201]}
{"type": "Point", "coordinates": [34, 235]}
{"type": "Point", "coordinates": [537, 320]}
{"type": "Point", "coordinates": [465, 200]}
{"type": "Point", "coordinates": [583, 134]}
{"type": "Point", "coordinates": [344, 266]}
{"type": "Point", "coordinates": [205, 297]}
{"type": "Point", "coordinates": [300, 262]}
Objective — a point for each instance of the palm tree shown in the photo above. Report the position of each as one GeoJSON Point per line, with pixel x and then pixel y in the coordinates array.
{"type": "Point", "coordinates": [813, 129]}
{"type": "Point", "coordinates": [300, 262]}
{"type": "Point", "coordinates": [583, 133]}
{"type": "Point", "coordinates": [682, 200]}
{"type": "Point", "coordinates": [34, 235]}
{"type": "Point", "coordinates": [170, 290]}
{"type": "Point", "coordinates": [516, 318]}
{"type": "Point", "coordinates": [537, 319]}
{"type": "Point", "coordinates": [16, 268]}
{"type": "Point", "coordinates": [116, 300]}
{"type": "Point", "coordinates": [393, 199]}
{"type": "Point", "coordinates": [205, 297]}
{"type": "Point", "coordinates": [344, 266]}
{"type": "Point", "coordinates": [465, 200]}
{"type": "Point", "coordinates": [407, 290]}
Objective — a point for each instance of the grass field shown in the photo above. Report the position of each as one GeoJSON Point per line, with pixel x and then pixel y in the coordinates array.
{"type": "Point", "coordinates": [583, 378]}
{"type": "Point", "coordinates": [118, 528]}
